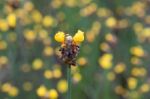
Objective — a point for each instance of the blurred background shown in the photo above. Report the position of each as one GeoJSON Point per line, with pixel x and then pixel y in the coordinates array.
{"type": "Point", "coordinates": [113, 62]}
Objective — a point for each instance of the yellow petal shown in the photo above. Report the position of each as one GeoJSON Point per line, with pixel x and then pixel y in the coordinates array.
{"type": "Point", "coordinates": [60, 37]}
{"type": "Point", "coordinates": [79, 37]}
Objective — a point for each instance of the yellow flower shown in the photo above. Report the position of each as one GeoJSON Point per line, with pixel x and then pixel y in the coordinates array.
{"type": "Point", "coordinates": [11, 19]}
{"type": "Point", "coordinates": [62, 86]}
{"type": "Point", "coordinates": [13, 91]}
{"type": "Point", "coordinates": [106, 61]}
{"type": "Point", "coordinates": [53, 94]}
{"type": "Point", "coordinates": [79, 37]}
{"type": "Point", "coordinates": [132, 83]}
{"type": "Point", "coordinates": [41, 91]}
{"type": "Point", "coordinates": [37, 64]}
{"type": "Point", "coordinates": [60, 37]}
{"type": "Point", "coordinates": [137, 51]}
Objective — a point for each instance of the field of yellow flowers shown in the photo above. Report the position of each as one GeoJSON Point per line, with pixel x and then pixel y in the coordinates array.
{"type": "Point", "coordinates": [113, 61]}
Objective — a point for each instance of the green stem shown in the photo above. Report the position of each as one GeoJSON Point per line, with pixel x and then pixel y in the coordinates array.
{"type": "Point", "coordinates": [69, 82]}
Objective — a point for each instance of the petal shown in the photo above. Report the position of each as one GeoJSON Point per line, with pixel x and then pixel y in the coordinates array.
{"type": "Point", "coordinates": [60, 37]}
{"type": "Point", "coordinates": [78, 37]}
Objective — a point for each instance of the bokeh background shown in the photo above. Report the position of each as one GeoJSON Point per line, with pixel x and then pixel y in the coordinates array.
{"type": "Point", "coordinates": [113, 62]}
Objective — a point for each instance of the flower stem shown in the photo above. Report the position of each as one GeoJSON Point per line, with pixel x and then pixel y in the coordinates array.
{"type": "Point", "coordinates": [69, 82]}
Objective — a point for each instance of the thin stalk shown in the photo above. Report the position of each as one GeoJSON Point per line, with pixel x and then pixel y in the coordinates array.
{"type": "Point", "coordinates": [69, 82]}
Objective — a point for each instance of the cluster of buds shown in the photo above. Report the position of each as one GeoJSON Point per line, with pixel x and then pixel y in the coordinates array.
{"type": "Point", "coordinates": [69, 46]}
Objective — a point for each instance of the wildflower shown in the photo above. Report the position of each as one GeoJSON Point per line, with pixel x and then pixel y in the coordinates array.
{"type": "Point", "coordinates": [70, 46]}
{"type": "Point", "coordinates": [11, 19]}
{"type": "Point", "coordinates": [53, 94]}
{"type": "Point", "coordinates": [62, 86]}
{"type": "Point", "coordinates": [41, 91]}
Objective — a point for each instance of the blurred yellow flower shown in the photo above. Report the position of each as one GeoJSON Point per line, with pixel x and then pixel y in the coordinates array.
{"type": "Point", "coordinates": [48, 51]}
{"type": "Point", "coordinates": [41, 91]}
{"type": "Point", "coordinates": [3, 60]}
{"type": "Point", "coordinates": [145, 88]}
{"type": "Point", "coordinates": [120, 90]}
{"type": "Point", "coordinates": [106, 61]}
{"type": "Point", "coordinates": [111, 22]}
{"type": "Point", "coordinates": [104, 47]}
{"type": "Point", "coordinates": [36, 16]}
{"type": "Point", "coordinates": [62, 86]}
{"type": "Point", "coordinates": [28, 6]}
{"type": "Point", "coordinates": [48, 74]}
{"type": "Point", "coordinates": [6, 87]}
{"type": "Point", "coordinates": [111, 76]}
{"type": "Point", "coordinates": [137, 51]}
{"type": "Point", "coordinates": [53, 94]}
{"type": "Point", "coordinates": [132, 83]}
{"type": "Point", "coordinates": [57, 73]}
{"type": "Point", "coordinates": [135, 60]}
{"type": "Point", "coordinates": [43, 34]}
{"type": "Point", "coordinates": [30, 35]}
{"type": "Point", "coordinates": [60, 37]}
{"type": "Point", "coordinates": [119, 68]}
{"type": "Point", "coordinates": [13, 91]}
{"type": "Point", "coordinates": [138, 72]}
{"type": "Point", "coordinates": [48, 21]}
{"type": "Point", "coordinates": [3, 45]}
{"type": "Point", "coordinates": [37, 64]}
{"type": "Point", "coordinates": [11, 20]}
{"type": "Point", "coordinates": [3, 25]}
{"type": "Point", "coordinates": [77, 77]}
{"type": "Point", "coordinates": [78, 37]}
{"type": "Point", "coordinates": [82, 61]}
{"type": "Point", "coordinates": [27, 86]}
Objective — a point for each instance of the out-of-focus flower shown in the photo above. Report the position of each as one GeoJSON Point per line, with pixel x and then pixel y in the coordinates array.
{"type": "Point", "coordinates": [120, 90]}
{"type": "Point", "coordinates": [36, 16]}
{"type": "Point", "coordinates": [77, 77]}
{"type": "Point", "coordinates": [37, 64]}
{"type": "Point", "coordinates": [137, 51]}
{"type": "Point", "coordinates": [48, 51]}
{"type": "Point", "coordinates": [53, 94]}
{"type": "Point", "coordinates": [3, 61]}
{"type": "Point", "coordinates": [111, 76]}
{"type": "Point", "coordinates": [88, 10]}
{"type": "Point", "coordinates": [13, 91]}
{"type": "Point", "coordinates": [28, 6]}
{"type": "Point", "coordinates": [82, 61]}
{"type": "Point", "coordinates": [48, 74]}
{"type": "Point", "coordinates": [103, 12]}
{"type": "Point", "coordinates": [3, 45]}
{"type": "Point", "coordinates": [3, 25]}
{"type": "Point", "coordinates": [41, 91]}
{"type": "Point", "coordinates": [145, 88]}
{"type": "Point", "coordinates": [111, 22]}
{"type": "Point", "coordinates": [105, 47]}
{"type": "Point", "coordinates": [135, 60]}
{"type": "Point", "coordinates": [48, 21]}
{"type": "Point", "coordinates": [132, 83]}
{"type": "Point", "coordinates": [62, 86]}
{"type": "Point", "coordinates": [106, 61]}
{"type": "Point", "coordinates": [27, 86]}
{"type": "Point", "coordinates": [11, 20]}
{"type": "Point", "coordinates": [30, 35]}
{"type": "Point", "coordinates": [119, 68]}
{"type": "Point", "coordinates": [138, 72]}
{"type": "Point", "coordinates": [6, 87]}
{"type": "Point", "coordinates": [10, 89]}
{"type": "Point", "coordinates": [57, 73]}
